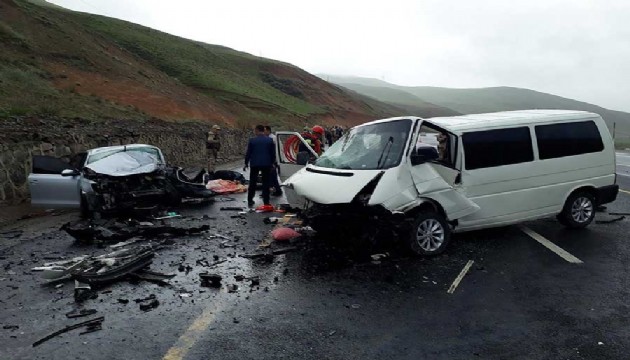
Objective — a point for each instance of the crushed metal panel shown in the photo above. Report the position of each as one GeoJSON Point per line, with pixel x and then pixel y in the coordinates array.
{"type": "Point", "coordinates": [430, 184]}
{"type": "Point", "coordinates": [125, 163]}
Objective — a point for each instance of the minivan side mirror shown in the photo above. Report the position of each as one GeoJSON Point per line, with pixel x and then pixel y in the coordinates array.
{"type": "Point", "coordinates": [69, 172]}
{"type": "Point", "coordinates": [417, 159]}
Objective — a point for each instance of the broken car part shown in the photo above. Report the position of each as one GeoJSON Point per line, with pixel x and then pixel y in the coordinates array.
{"type": "Point", "coordinates": [90, 323]}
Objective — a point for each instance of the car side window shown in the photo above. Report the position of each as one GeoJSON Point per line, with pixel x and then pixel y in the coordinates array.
{"type": "Point", "coordinates": [567, 139]}
{"type": "Point", "coordinates": [491, 148]}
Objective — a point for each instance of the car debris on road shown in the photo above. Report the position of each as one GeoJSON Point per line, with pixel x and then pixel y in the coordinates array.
{"type": "Point", "coordinates": [91, 325]}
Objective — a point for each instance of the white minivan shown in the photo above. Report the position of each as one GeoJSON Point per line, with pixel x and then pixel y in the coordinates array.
{"type": "Point", "coordinates": [477, 171]}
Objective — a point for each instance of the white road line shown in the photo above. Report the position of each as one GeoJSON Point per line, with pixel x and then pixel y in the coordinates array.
{"type": "Point", "coordinates": [551, 246]}
{"type": "Point", "coordinates": [624, 165]}
{"type": "Point", "coordinates": [460, 277]}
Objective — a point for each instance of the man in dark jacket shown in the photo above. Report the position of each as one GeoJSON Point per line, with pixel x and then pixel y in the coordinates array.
{"type": "Point", "coordinates": [260, 155]}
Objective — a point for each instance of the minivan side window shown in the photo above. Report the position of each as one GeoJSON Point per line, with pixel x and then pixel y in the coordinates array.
{"type": "Point", "coordinates": [490, 148]}
{"type": "Point", "coordinates": [567, 139]}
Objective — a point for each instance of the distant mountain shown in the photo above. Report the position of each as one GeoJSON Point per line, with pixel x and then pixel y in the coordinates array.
{"type": "Point", "coordinates": [471, 101]}
{"type": "Point", "coordinates": [59, 63]}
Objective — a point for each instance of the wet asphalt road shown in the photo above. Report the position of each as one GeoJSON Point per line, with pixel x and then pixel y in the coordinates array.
{"type": "Point", "coordinates": [519, 300]}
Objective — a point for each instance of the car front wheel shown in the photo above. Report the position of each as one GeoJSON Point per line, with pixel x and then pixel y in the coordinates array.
{"type": "Point", "coordinates": [578, 211]}
{"type": "Point", "coordinates": [430, 234]}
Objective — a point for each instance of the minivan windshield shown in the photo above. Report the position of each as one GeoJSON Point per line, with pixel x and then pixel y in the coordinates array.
{"type": "Point", "coordinates": [369, 147]}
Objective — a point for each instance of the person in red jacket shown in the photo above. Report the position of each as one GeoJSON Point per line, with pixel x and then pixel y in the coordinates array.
{"type": "Point", "coordinates": [313, 139]}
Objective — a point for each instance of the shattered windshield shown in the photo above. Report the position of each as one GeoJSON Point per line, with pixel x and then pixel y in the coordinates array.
{"type": "Point", "coordinates": [102, 155]}
{"type": "Point", "coordinates": [370, 147]}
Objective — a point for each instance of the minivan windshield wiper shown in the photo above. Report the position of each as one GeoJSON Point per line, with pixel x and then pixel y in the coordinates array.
{"type": "Point", "coordinates": [388, 147]}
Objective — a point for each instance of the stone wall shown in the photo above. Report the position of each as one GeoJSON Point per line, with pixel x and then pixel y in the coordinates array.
{"type": "Point", "coordinates": [183, 144]}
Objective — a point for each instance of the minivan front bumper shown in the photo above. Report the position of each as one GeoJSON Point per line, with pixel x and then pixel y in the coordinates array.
{"type": "Point", "coordinates": [606, 194]}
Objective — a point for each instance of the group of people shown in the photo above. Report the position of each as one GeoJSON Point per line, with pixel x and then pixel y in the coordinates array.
{"type": "Point", "coordinates": [260, 157]}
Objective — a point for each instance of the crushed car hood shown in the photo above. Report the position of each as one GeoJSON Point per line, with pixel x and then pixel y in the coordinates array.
{"type": "Point", "coordinates": [126, 163]}
{"type": "Point", "coordinates": [329, 186]}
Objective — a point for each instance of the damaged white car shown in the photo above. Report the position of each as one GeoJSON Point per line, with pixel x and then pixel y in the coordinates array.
{"type": "Point", "coordinates": [484, 170]}
{"type": "Point", "coordinates": [113, 179]}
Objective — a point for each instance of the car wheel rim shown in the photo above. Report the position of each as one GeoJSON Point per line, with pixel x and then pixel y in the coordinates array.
{"type": "Point", "coordinates": [430, 235]}
{"type": "Point", "coordinates": [582, 209]}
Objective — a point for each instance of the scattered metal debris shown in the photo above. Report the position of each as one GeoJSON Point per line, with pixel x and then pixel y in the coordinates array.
{"type": "Point", "coordinates": [232, 288]}
{"type": "Point", "coordinates": [80, 313]}
{"type": "Point", "coordinates": [10, 327]}
{"type": "Point", "coordinates": [231, 208]}
{"type": "Point", "coordinates": [608, 221]}
{"type": "Point", "coordinates": [91, 325]}
{"type": "Point", "coordinates": [112, 230]}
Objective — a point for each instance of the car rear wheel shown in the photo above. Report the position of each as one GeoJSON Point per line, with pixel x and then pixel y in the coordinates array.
{"type": "Point", "coordinates": [430, 234]}
{"type": "Point", "coordinates": [578, 211]}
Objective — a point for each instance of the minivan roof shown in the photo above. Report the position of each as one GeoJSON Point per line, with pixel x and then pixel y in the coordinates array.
{"type": "Point", "coordinates": [464, 123]}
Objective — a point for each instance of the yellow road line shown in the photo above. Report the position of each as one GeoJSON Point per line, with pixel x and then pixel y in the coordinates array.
{"type": "Point", "coordinates": [459, 277]}
{"type": "Point", "coordinates": [551, 246]}
{"type": "Point", "coordinates": [192, 334]}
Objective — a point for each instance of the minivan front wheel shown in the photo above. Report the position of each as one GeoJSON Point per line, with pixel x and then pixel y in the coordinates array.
{"type": "Point", "coordinates": [430, 234]}
{"type": "Point", "coordinates": [578, 211]}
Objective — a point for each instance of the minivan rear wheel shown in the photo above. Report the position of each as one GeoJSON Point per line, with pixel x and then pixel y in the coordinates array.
{"type": "Point", "coordinates": [429, 235]}
{"type": "Point", "coordinates": [578, 211]}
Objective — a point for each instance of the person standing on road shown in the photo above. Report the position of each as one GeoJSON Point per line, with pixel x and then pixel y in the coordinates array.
{"type": "Point", "coordinates": [260, 156]}
{"type": "Point", "coordinates": [273, 174]}
{"type": "Point", "coordinates": [213, 145]}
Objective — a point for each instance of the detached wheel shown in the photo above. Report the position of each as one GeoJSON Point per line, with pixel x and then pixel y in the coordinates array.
{"type": "Point", "coordinates": [430, 234]}
{"type": "Point", "coordinates": [578, 211]}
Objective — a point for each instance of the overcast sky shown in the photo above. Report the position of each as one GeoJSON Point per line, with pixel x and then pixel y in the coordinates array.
{"type": "Point", "coordinates": [578, 49]}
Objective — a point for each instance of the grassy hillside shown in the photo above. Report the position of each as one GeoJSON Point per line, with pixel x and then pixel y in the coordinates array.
{"type": "Point", "coordinates": [56, 62]}
{"type": "Point", "coordinates": [470, 101]}
{"type": "Point", "coordinates": [412, 104]}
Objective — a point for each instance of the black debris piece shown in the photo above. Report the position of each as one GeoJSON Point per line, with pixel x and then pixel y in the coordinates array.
{"type": "Point", "coordinates": [619, 213]}
{"type": "Point", "coordinates": [255, 281]}
{"type": "Point", "coordinates": [608, 221]}
{"type": "Point", "coordinates": [239, 277]}
{"type": "Point", "coordinates": [89, 324]}
{"type": "Point", "coordinates": [10, 327]}
{"type": "Point", "coordinates": [232, 288]}
{"type": "Point", "coordinates": [113, 230]}
{"type": "Point", "coordinates": [210, 280]}
{"type": "Point", "coordinates": [149, 303]}
{"type": "Point", "coordinates": [123, 301]}
{"type": "Point", "coordinates": [231, 208]}
{"type": "Point", "coordinates": [80, 313]}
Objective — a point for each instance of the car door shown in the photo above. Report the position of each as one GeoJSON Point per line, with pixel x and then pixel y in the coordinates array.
{"type": "Point", "coordinates": [49, 188]}
{"type": "Point", "coordinates": [289, 159]}
{"type": "Point", "coordinates": [438, 177]}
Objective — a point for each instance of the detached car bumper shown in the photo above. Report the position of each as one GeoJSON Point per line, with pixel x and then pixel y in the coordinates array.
{"type": "Point", "coordinates": [606, 194]}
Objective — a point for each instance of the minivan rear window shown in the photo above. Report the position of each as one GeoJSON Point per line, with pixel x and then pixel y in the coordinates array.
{"type": "Point", "coordinates": [568, 139]}
{"type": "Point", "coordinates": [490, 148]}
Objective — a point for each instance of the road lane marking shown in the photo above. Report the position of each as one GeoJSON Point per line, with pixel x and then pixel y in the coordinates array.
{"type": "Point", "coordinates": [624, 191]}
{"type": "Point", "coordinates": [459, 277]}
{"type": "Point", "coordinates": [192, 334]}
{"type": "Point", "coordinates": [551, 246]}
